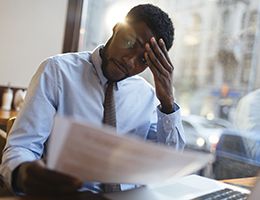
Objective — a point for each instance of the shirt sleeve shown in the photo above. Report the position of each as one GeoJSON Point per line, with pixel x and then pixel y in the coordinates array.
{"type": "Point", "coordinates": [169, 129]}
{"type": "Point", "coordinates": [33, 124]}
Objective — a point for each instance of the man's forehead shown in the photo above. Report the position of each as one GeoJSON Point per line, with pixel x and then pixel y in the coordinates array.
{"type": "Point", "coordinates": [128, 28]}
{"type": "Point", "coordinates": [138, 29]}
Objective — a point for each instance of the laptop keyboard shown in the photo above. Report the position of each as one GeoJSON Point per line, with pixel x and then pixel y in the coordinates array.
{"type": "Point", "coordinates": [225, 194]}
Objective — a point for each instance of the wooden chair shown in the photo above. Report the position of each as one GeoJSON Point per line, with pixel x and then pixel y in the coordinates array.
{"type": "Point", "coordinates": [4, 190]}
{"type": "Point", "coordinates": [3, 135]}
{"type": "Point", "coordinates": [9, 124]}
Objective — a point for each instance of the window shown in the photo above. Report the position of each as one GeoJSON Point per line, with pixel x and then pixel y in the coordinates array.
{"type": "Point", "coordinates": [215, 55]}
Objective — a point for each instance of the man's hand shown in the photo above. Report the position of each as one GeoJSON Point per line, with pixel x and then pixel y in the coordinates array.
{"type": "Point", "coordinates": [160, 64]}
{"type": "Point", "coordinates": [34, 178]}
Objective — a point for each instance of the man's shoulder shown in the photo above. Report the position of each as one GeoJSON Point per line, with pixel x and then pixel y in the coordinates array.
{"type": "Point", "coordinates": [71, 57]}
{"type": "Point", "coordinates": [65, 61]}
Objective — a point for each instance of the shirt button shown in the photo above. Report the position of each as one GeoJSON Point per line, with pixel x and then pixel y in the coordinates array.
{"type": "Point", "coordinates": [167, 125]}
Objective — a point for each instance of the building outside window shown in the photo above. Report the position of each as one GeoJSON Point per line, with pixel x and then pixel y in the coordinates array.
{"type": "Point", "coordinates": [215, 55]}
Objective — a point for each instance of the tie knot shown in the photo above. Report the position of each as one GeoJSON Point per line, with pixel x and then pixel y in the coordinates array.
{"type": "Point", "coordinates": [110, 86]}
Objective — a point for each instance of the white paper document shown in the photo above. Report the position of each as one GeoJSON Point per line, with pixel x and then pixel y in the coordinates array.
{"type": "Point", "coordinates": [100, 155]}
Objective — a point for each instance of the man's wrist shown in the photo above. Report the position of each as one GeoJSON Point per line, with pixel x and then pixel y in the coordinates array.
{"type": "Point", "coordinates": [167, 109]}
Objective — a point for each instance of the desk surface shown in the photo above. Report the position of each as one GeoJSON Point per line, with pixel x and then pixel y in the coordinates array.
{"type": "Point", "coordinates": [246, 182]}
{"type": "Point", "coordinates": [90, 196]}
{"type": "Point", "coordinates": [5, 115]}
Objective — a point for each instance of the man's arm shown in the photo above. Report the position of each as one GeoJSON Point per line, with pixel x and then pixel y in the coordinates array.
{"type": "Point", "coordinates": [160, 64]}
{"type": "Point", "coordinates": [21, 167]}
{"type": "Point", "coordinates": [169, 126]}
{"type": "Point", "coordinates": [30, 130]}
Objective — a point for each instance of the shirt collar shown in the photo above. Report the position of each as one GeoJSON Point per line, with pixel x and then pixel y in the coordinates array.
{"type": "Point", "coordinates": [97, 62]}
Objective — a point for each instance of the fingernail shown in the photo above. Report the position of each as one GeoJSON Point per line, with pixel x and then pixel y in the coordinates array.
{"type": "Point", "coordinates": [152, 39]}
{"type": "Point", "coordinates": [147, 45]}
{"type": "Point", "coordinates": [161, 40]}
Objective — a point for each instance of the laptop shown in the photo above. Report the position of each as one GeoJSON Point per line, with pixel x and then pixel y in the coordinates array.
{"type": "Point", "coordinates": [188, 188]}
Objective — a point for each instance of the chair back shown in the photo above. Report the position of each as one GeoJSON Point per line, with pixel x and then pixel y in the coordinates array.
{"type": "Point", "coordinates": [3, 135]}
{"type": "Point", "coordinates": [2, 142]}
{"type": "Point", "coordinates": [10, 123]}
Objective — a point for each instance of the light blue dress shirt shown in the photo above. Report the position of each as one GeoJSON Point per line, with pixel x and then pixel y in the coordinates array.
{"type": "Point", "coordinates": [73, 85]}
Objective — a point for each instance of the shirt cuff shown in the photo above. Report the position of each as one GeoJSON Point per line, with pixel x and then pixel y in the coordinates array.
{"type": "Point", "coordinates": [169, 121]}
{"type": "Point", "coordinates": [169, 128]}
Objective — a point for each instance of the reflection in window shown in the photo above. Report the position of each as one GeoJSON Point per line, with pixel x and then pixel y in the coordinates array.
{"type": "Point", "coordinates": [213, 51]}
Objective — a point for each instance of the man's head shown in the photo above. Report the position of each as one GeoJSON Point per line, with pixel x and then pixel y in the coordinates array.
{"type": "Point", "coordinates": [156, 19]}
{"type": "Point", "coordinates": [123, 55]}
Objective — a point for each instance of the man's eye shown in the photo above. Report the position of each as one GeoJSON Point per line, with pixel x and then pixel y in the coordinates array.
{"type": "Point", "coordinates": [129, 44]}
{"type": "Point", "coordinates": [143, 60]}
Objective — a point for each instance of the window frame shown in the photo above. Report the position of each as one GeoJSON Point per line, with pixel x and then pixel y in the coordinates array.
{"type": "Point", "coordinates": [72, 28]}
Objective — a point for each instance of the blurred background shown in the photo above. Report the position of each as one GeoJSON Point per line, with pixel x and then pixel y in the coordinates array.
{"type": "Point", "coordinates": [215, 55]}
{"type": "Point", "coordinates": [214, 52]}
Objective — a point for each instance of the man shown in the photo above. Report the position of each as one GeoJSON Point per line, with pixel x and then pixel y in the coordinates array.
{"type": "Point", "coordinates": [247, 122]}
{"type": "Point", "coordinates": [74, 85]}
{"type": "Point", "coordinates": [246, 115]}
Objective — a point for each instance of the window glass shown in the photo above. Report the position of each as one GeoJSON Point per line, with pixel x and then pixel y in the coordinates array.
{"type": "Point", "coordinates": [216, 60]}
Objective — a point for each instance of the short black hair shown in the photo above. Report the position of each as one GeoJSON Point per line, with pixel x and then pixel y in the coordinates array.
{"type": "Point", "coordinates": [156, 19]}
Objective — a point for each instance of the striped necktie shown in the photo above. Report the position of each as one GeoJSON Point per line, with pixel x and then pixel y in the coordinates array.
{"type": "Point", "coordinates": [110, 119]}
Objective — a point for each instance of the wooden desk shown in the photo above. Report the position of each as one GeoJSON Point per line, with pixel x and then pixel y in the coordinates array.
{"type": "Point", "coordinates": [244, 182]}
{"type": "Point", "coordinates": [5, 115]}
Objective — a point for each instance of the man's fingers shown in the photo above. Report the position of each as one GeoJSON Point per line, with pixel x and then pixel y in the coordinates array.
{"type": "Point", "coordinates": [161, 54]}
{"type": "Point", "coordinates": [35, 178]}
{"type": "Point", "coordinates": [163, 47]}
{"type": "Point", "coordinates": [53, 177]}
{"type": "Point", "coordinates": [153, 62]}
{"type": "Point", "coordinates": [149, 63]}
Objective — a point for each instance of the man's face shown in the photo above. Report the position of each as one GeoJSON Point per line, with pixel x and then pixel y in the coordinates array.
{"type": "Point", "coordinates": [124, 52]}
